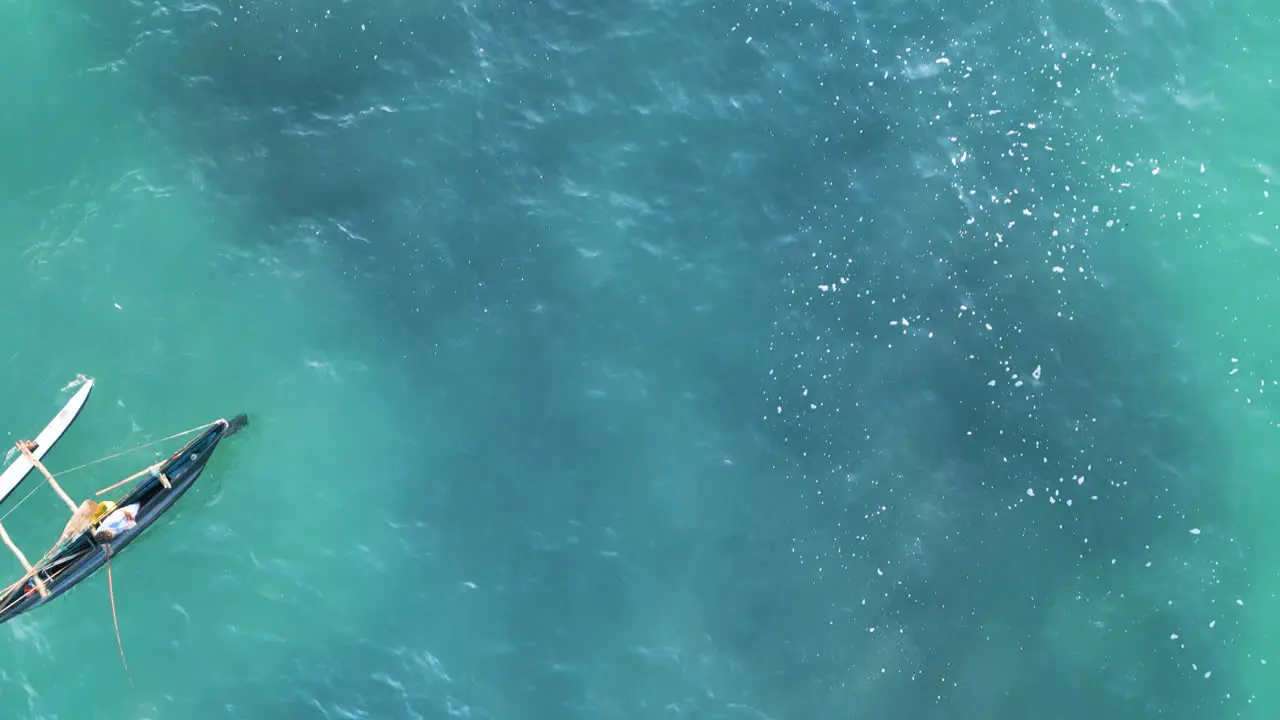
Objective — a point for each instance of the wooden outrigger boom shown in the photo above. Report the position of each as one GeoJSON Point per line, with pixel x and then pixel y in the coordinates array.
{"type": "Point", "coordinates": [40, 586]}
{"type": "Point", "coordinates": [14, 474]}
{"type": "Point", "coordinates": [25, 446]}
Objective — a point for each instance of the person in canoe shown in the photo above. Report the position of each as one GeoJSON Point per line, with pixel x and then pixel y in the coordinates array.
{"type": "Point", "coordinates": [105, 518]}
{"type": "Point", "coordinates": [116, 522]}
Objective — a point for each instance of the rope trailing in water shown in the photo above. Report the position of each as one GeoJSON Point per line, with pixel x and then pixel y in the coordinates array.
{"type": "Point", "coordinates": [111, 591]}
{"type": "Point", "coordinates": [143, 446]}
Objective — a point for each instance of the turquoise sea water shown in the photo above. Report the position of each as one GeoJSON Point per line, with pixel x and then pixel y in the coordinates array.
{"type": "Point", "coordinates": [653, 360]}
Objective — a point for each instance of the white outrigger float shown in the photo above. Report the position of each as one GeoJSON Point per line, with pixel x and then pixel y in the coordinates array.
{"type": "Point", "coordinates": [15, 473]}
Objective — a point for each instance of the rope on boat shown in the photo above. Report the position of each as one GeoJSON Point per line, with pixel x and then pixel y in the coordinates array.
{"type": "Point", "coordinates": [140, 447]}
{"type": "Point", "coordinates": [143, 446]}
{"type": "Point", "coordinates": [114, 620]}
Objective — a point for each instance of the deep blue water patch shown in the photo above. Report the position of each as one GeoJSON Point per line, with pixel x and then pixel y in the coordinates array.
{"type": "Point", "coordinates": [717, 312]}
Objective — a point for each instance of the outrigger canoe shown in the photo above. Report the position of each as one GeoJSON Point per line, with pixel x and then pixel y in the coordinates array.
{"type": "Point", "coordinates": [100, 530]}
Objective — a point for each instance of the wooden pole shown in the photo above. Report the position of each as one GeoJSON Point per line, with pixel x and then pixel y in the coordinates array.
{"type": "Point", "coordinates": [48, 476]}
{"type": "Point", "coordinates": [164, 480]}
{"type": "Point", "coordinates": [31, 572]}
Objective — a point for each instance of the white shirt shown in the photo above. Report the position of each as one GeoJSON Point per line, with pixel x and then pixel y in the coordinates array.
{"type": "Point", "coordinates": [118, 521]}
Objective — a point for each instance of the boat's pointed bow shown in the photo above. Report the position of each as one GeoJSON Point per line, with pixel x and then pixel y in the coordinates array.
{"type": "Point", "coordinates": [236, 424]}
